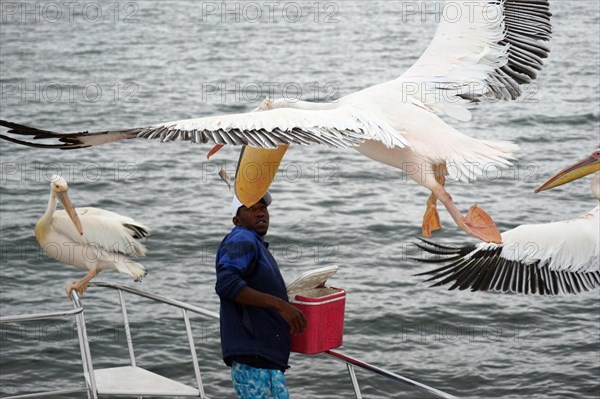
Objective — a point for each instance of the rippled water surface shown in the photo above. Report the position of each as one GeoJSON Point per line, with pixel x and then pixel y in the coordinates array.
{"type": "Point", "coordinates": [143, 62]}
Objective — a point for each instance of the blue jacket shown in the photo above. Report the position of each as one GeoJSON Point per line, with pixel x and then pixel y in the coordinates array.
{"type": "Point", "coordinates": [243, 259]}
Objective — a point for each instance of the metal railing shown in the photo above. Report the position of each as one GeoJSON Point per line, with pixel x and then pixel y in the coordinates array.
{"type": "Point", "coordinates": [86, 358]}
{"type": "Point", "coordinates": [185, 308]}
{"type": "Point", "coordinates": [351, 363]}
{"type": "Point", "coordinates": [77, 313]}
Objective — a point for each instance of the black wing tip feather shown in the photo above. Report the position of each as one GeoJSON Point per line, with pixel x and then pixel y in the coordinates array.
{"type": "Point", "coordinates": [487, 270]}
{"type": "Point", "coordinates": [442, 253]}
{"type": "Point", "coordinates": [449, 250]}
{"type": "Point", "coordinates": [139, 231]}
{"type": "Point", "coordinates": [68, 146]}
{"type": "Point", "coordinates": [17, 128]}
{"type": "Point", "coordinates": [527, 30]}
{"type": "Point", "coordinates": [69, 142]}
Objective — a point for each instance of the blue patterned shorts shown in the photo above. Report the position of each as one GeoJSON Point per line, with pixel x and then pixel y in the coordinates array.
{"type": "Point", "coordinates": [253, 383]}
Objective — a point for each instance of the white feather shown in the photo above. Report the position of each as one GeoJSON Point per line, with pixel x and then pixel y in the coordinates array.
{"type": "Point", "coordinates": [569, 245]}
{"type": "Point", "coordinates": [108, 239]}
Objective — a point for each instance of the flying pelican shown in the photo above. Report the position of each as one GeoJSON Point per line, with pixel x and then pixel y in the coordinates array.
{"type": "Point", "coordinates": [93, 239]}
{"type": "Point", "coordinates": [546, 259]}
{"type": "Point", "coordinates": [482, 50]}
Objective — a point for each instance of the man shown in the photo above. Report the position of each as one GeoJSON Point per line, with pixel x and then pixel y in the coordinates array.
{"type": "Point", "coordinates": [256, 317]}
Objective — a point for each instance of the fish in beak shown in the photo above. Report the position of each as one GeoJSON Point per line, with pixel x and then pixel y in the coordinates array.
{"type": "Point", "coordinates": [576, 171]}
{"type": "Point", "coordinates": [63, 198]}
{"type": "Point", "coordinates": [225, 177]}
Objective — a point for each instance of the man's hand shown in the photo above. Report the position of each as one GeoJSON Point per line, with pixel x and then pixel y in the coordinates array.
{"type": "Point", "coordinates": [293, 316]}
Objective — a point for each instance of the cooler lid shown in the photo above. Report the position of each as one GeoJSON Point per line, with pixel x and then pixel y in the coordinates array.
{"type": "Point", "coordinates": [311, 279]}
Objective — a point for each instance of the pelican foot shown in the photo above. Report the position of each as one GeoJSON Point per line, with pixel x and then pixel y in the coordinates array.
{"type": "Point", "coordinates": [431, 221]}
{"type": "Point", "coordinates": [481, 225]}
{"type": "Point", "coordinates": [77, 286]}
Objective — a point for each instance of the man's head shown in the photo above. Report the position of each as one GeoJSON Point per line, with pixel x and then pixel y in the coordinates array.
{"type": "Point", "coordinates": [255, 218]}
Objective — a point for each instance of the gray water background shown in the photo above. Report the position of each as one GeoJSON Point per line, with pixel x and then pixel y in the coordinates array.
{"type": "Point", "coordinates": [110, 65]}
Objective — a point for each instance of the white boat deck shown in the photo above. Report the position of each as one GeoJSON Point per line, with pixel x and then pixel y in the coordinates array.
{"type": "Point", "coordinates": [136, 381]}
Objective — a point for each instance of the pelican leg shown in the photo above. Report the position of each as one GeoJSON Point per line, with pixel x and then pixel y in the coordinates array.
{"type": "Point", "coordinates": [431, 218]}
{"type": "Point", "coordinates": [81, 285]}
{"type": "Point", "coordinates": [477, 223]}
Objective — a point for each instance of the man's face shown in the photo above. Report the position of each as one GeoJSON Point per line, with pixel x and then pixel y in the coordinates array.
{"type": "Point", "coordinates": [254, 218]}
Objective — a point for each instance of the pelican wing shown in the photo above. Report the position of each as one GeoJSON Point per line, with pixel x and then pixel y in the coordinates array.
{"type": "Point", "coordinates": [340, 127]}
{"type": "Point", "coordinates": [545, 259]}
{"type": "Point", "coordinates": [103, 229]}
{"type": "Point", "coordinates": [482, 49]}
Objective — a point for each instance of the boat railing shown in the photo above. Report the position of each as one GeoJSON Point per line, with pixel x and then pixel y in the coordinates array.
{"type": "Point", "coordinates": [184, 307]}
{"type": "Point", "coordinates": [96, 380]}
{"type": "Point", "coordinates": [76, 313]}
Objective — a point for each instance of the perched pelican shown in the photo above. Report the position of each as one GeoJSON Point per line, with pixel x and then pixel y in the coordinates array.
{"type": "Point", "coordinates": [546, 259]}
{"type": "Point", "coordinates": [486, 50]}
{"type": "Point", "coordinates": [93, 239]}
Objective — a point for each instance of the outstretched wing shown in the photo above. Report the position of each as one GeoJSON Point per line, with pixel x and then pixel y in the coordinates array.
{"type": "Point", "coordinates": [545, 259]}
{"type": "Point", "coordinates": [482, 49]}
{"type": "Point", "coordinates": [340, 127]}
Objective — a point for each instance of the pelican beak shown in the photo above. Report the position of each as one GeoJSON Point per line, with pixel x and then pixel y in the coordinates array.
{"type": "Point", "coordinates": [70, 209]}
{"type": "Point", "coordinates": [576, 171]}
{"type": "Point", "coordinates": [255, 172]}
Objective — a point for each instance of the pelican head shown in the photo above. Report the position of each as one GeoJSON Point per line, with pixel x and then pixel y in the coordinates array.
{"type": "Point", "coordinates": [59, 188]}
{"type": "Point", "coordinates": [576, 171]}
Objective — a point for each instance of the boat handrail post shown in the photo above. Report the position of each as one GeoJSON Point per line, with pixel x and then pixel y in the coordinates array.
{"type": "Point", "coordinates": [126, 328]}
{"type": "Point", "coordinates": [355, 385]}
{"type": "Point", "coordinates": [76, 313]}
{"type": "Point", "coordinates": [387, 374]}
{"type": "Point", "coordinates": [84, 346]}
{"type": "Point", "coordinates": [82, 351]}
{"type": "Point", "coordinates": [188, 328]}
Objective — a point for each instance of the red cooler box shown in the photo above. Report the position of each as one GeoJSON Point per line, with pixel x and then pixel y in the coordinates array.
{"type": "Point", "coordinates": [323, 308]}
